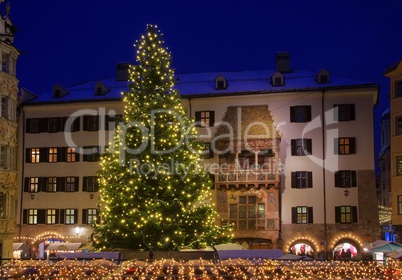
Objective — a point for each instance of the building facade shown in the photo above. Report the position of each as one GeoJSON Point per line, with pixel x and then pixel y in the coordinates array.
{"type": "Point", "coordinates": [394, 73]}
{"type": "Point", "coordinates": [8, 135]}
{"type": "Point", "coordinates": [384, 197]}
{"type": "Point", "coordinates": [290, 154]}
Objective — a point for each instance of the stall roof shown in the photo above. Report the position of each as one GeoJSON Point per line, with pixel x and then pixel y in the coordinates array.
{"type": "Point", "coordinates": [229, 246]}
{"type": "Point", "coordinates": [90, 255]}
{"type": "Point", "coordinates": [18, 246]}
{"type": "Point", "coordinates": [63, 246]}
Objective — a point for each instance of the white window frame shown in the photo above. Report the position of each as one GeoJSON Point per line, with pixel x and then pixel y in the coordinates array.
{"type": "Point", "coordinates": [70, 217]}
{"type": "Point", "coordinates": [51, 216]}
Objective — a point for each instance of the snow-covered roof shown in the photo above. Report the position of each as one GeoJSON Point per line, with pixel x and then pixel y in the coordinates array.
{"type": "Point", "coordinates": [203, 85]}
{"type": "Point", "coordinates": [63, 246]}
{"type": "Point", "coordinates": [250, 254]}
{"type": "Point", "coordinates": [18, 246]}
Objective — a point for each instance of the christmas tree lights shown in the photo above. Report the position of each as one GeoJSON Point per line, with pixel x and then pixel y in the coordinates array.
{"type": "Point", "coordinates": [153, 190]}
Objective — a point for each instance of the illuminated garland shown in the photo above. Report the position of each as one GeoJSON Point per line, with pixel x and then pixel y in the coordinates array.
{"type": "Point", "coordinates": [46, 235]}
{"type": "Point", "coordinates": [301, 239]}
{"type": "Point", "coordinates": [347, 236]}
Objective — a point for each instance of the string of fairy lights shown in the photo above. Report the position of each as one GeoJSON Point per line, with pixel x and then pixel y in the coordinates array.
{"type": "Point", "coordinates": [47, 235]}
{"type": "Point", "coordinates": [201, 269]}
{"type": "Point", "coordinates": [302, 238]}
{"type": "Point", "coordinates": [346, 236]}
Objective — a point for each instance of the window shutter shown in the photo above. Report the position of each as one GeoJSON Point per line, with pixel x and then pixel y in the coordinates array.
{"type": "Point", "coordinates": [60, 125]}
{"type": "Point", "coordinates": [98, 217]}
{"type": "Point", "coordinates": [293, 147]}
{"type": "Point", "coordinates": [198, 118]}
{"type": "Point", "coordinates": [42, 184]}
{"type": "Point", "coordinates": [336, 113]}
{"type": "Point", "coordinates": [309, 147]}
{"type": "Point", "coordinates": [84, 216]}
{"type": "Point", "coordinates": [77, 184]}
{"type": "Point", "coordinates": [26, 185]}
{"type": "Point", "coordinates": [212, 178]}
{"type": "Point", "coordinates": [77, 154]}
{"type": "Point", "coordinates": [41, 216]}
{"type": "Point", "coordinates": [354, 214]}
{"type": "Point", "coordinates": [75, 216]}
{"type": "Point", "coordinates": [85, 156]}
{"type": "Point", "coordinates": [84, 184]}
{"type": "Point", "coordinates": [336, 146]}
{"type": "Point", "coordinates": [28, 126]}
{"type": "Point", "coordinates": [107, 120]}
{"type": "Point", "coordinates": [62, 154]}
{"type": "Point", "coordinates": [63, 124]}
{"type": "Point", "coordinates": [338, 179]}
{"type": "Point", "coordinates": [294, 215]}
{"type": "Point", "coordinates": [96, 184]}
{"type": "Point", "coordinates": [76, 125]}
{"type": "Point", "coordinates": [308, 113]}
{"type": "Point", "coordinates": [353, 178]}
{"type": "Point", "coordinates": [310, 215]}
{"type": "Point", "coordinates": [292, 114]}
{"type": "Point", "coordinates": [61, 184]}
{"type": "Point", "coordinates": [25, 216]}
{"type": "Point", "coordinates": [57, 218]}
{"type": "Point", "coordinates": [97, 121]}
{"type": "Point", "coordinates": [43, 155]}
{"type": "Point", "coordinates": [62, 216]}
{"type": "Point", "coordinates": [43, 124]}
{"type": "Point", "coordinates": [352, 112]}
{"type": "Point", "coordinates": [211, 118]}
{"type": "Point", "coordinates": [28, 155]}
{"type": "Point", "coordinates": [352, 148]}
{"type": "Point", "coordinates": [294, 180]}
{"type": "Point", "coordinates": [309, 179]}
{"type": "Point", "coordinates": [337, 214]}
{"type": "Point", "coordinates": [85, 123]}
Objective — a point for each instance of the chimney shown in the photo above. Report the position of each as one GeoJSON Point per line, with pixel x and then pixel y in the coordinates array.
{"type": "Point", "coordinates": [122, 71]}
{"type": "Point", "coordinates": [283, 62]}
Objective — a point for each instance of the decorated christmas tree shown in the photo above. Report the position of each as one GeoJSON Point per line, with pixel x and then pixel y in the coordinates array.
{"type": "Point", "coordinates": [154, 193]}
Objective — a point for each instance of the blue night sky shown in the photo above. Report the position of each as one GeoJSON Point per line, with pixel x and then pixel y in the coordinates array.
{"type": "Point", "coordinates": [68, 42]}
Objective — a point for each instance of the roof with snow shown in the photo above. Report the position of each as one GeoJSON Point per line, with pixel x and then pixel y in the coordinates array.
{"type": "Point", "coordinates": [204, 85]}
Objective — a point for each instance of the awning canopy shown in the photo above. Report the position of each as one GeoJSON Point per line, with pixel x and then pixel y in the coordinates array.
{"type": "Point", "coordinates": [63, 246]}
{"type": "Point", "coordinates": [388, 247]}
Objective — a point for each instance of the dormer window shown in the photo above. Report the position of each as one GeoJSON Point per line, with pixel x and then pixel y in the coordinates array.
{"type": "Point", "coordinates": [277, 79]}
{"type": "Point", "coordinates": [322, 77]}
{"type": "Point", "coordinates": [221, 83]}
{"type": "Point", "coordinates": [101, 89]}
{"type": "Point", "coordinates": [59, 91]}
